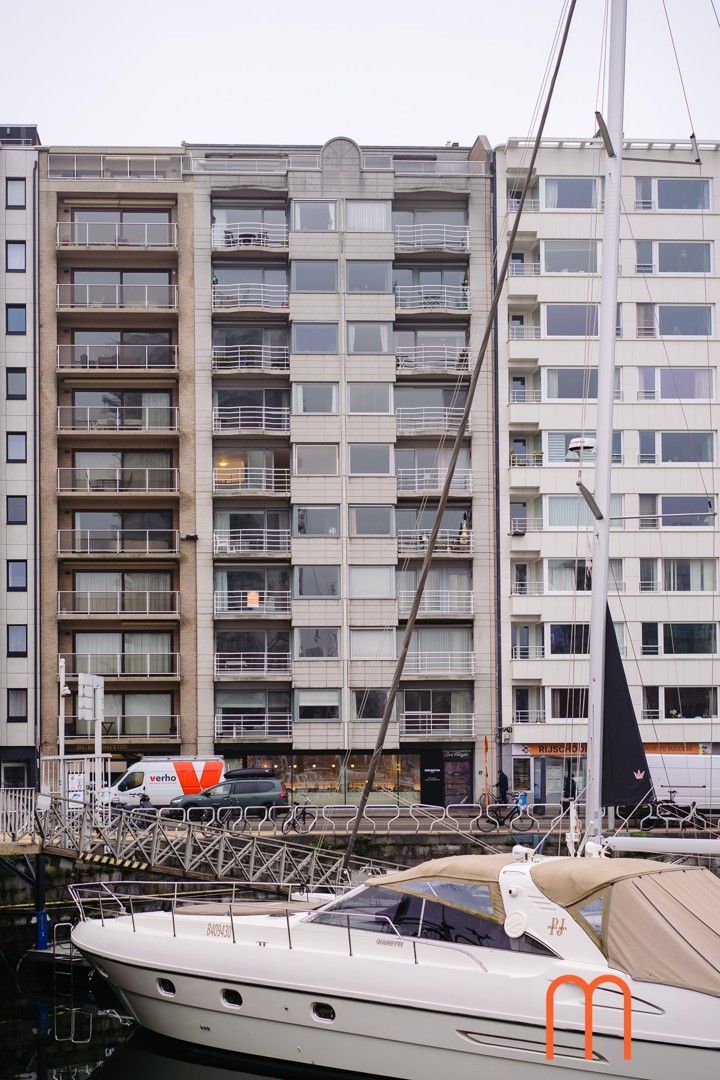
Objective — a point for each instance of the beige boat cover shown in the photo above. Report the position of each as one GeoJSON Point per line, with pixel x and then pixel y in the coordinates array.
{"type": "Point", "coordinates": [465, 868]}
{"type": "Point", "coordinates": [567, 881]}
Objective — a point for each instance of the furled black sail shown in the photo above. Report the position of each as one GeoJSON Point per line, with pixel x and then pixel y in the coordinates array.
{"type": "Point", "coordinates": [626, 777]}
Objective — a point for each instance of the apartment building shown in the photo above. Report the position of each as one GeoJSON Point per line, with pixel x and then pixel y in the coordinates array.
{"type": "Point", "coordinates": [664, 546]}
{"type": "Point", "coordinates": [18, 598]}
{"type": "Point", "coordinates": [253, 364]}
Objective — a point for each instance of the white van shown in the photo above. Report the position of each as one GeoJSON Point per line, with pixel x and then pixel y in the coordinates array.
{"type": "Point", "coordinates": [164, 779]}
{"type": "Point", "coordinates": [686, 779]}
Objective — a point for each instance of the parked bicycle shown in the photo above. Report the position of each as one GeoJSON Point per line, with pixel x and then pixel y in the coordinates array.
{"type": "Point", "coordinates": [512, 814]}
{"type": "Point", "coordinates": [668, 814]}
{"type": "Point", "coordinates": [301, 818]}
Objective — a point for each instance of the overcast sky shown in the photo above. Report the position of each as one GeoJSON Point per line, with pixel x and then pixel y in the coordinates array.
{"type": "Point", "coordinates": [379, 71]}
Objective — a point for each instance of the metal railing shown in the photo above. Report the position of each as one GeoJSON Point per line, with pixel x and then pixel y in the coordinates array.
{"type": "Point", "coordinates": [647, 395]}
{"type": "Point", "coordinates": [432, 297]}
{"type": "Point", "coordinates": [251, 166]}
{"type": "Point", "coordinates": [520, 525]}
{"type": "Point", "coordinates": [147, 602]}
{"type": "Point", "coordinates": [449, 542]}
{"type": "Point", "coordinates": [143, 234]}
{"type": "Point", "coordinates": [523, 333]}
{"type": "Point", "coordinates": [117, 418]}
{"type": "Point", "coordinates": [528, 716]}
{"type": "Point", "coordinates": [241, 418]}
{"type": "Point", "coordinates": [646, 331]}
{"type": "Point", "coordinates": [524, 397]}
{"type": "Point", "coordinates": [527, 652]}
{"type": "Point", "coordinates": [140, 665]}
{"type": "Point", "coordinates": [644, 204]}
{"type": "Point", "coordinates": [649, 585]}
{"type": "Point", "coordinates": [418, 725]}
{"type": "Point", "coordinates": [115, 480]}
{"type": "Point", "coordinates": [252, 602]}
{"type": "Point", "coordinates": [115, 166]}
{"type": "Point", "coordinates": [437, 663]}
{"type": "Point", "coordinates": [432, 236]}
{"type": "Point", "coordinates": [530, 206]}
{"type": "Point", "coordinates": [239, 481]}
{"type": "Point", "coordinates": [428, 418]}
{"type": "Point", "coordinates": [431, 359]}
{"type": "Point", "coordinates": [255, 234]}
{"type": "Point", "coordinates": [17, 813]}
{"type": "Point", "coordinates": [251, 541]}
{"type": "Point", "coordinates": [527, 588]}
{"type": "Point", "coordinates": [118, 541]}
{"type": "Point", "coordinates": [644, 268]}
{"type": "Point", "coordinates": [74, 295]}
{"type": "Point", "coordinates": [524, 269]}
{"type": "Point", "coordinates": [435, 167]}
{"type": "Point", "coordinates": [165, 726]}
{"type": "Point", "coordinates": [432, 479]}
{"type": "Point", "coordinates": [253, 726]}
{"type": "Point", "coordinates": [647, 459]}
{"type": "Point", "coordinates": [253, 663]}
{"type": "Point", "coordinates": [251, 294]}
{"type": "Point", "coordinates": [117, 357]}
{"type": "Point", "coordinates": [252, 358]}
{"type": "Point", "coordinates": [531, 459]}
{"type": "Point", "coordinates": [438, 602]}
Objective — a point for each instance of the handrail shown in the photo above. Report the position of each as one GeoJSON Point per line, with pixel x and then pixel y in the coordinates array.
{"type": "Point", "coordinates": [524, 269]}
{"type": "Point", "coordinates": [144, 234]}
{"type": "Point", "coordinates": [253, 663]}
{"type": "Point", "coordinates": [239, 234]}
{"type": "Point", "coordinates": [419, 724]}
{"type": "Point", "coordinates": [523, 333]}
{"type": "Point", "coordinates": [156, 602]}
{"type": "Point", "coordinates": [432, 479]}
{"type": "Point", "coordinates": [250, 418]}
{"type": "Point", "coordinates": [249, 294]}
{"type": "Point", "coordinates": [449, 541]}
{"type": "Point", "coordinates": [531, 459]}
{"type": "Point", "coordinates": [252, 602]}
{"type": "Point", "coordinates": [527, 588]}
{"type": "Point", "coordinates": [117, 418]}
{"type": "Point", "coordinates": [227, 358]}
{"type": "Point", "coordinates": [438, 601]}
{"type": "Point", "coordinates": [428, 418]}
{"type": "Point", "coordinates": [114, 480]}
{"type": "Point", "coordinates": [117, 357]}
{"type": "Point", "coordinates": [117, 541]}
{"type": "Point", "coordinates": [115, 166]}
{"type": "Point", "coordinates": [150, 726]}
{"type": "Point", "coordinates": [432, 297]}
{"type": "Point", "coordinates": [520, 525]}
{"type": "Point", "coordinates": [530, 206]}
{"type": "Point", "coordinates": [431, 358]}
{"type": "Point", "coordinates": [428, 663]}
{"type": "Point", "coordinates": [230, 481]}
{"type": "Point", "coordinates": [234, 541]}
{"type": "Point", "coordinates": [527, 652]}
{"type": "Point", "coordinates": [147, 665]}
{"type": "Point", "coordinates": [431, 236]}
{"type": "Point", "coordinates": [521, 397]}
{"type": "Point", "coordinates": [528, 716]}
{"type": "Point", "coordinates": [253, 726]}
{"type": "Point", "coordinates": [77, 295]}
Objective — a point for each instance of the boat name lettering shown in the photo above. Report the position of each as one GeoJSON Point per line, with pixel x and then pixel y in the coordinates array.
{"type": "Point", "coordinates": [389, 941]}
{"type": "Point", "coordinates": [216, 929]}
{"type": "Point", "coordinates": [557, 926]}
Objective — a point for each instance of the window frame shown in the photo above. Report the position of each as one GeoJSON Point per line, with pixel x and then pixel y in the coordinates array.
{"type": "Point", "coordinates": [319, 692]}
{"type": "Point", "coordinates": [297, 397]}
{"type": "Point", "coordinates": [16, 718]}
{"type": "Point", "coordinates": [297, 203]}
{"type": "Point", "coordinates": [297, 632]}
{"type": "Point", "coordinates": [299, 447]}
{"type": "Point", "coordinates": [391, 458]}
{"type": "Point", "coordinates": [350, 331]}
{"type": "Point", "coordinates": [297, 507]}
{"type": "Point", "coordinates": [15, 180]}
{"type": "Point", "coordinates": [295, 288]}
{"type": "Point", "coordinates": [8, 499]}
{"type": "Point", "coordinates": [22, 244]}
{"type": "Point", "coordinates": [9, 564]}
{"type": "Point", "coordinates": [597, 196]}
{"type": "Point", "coordinates": [12, 308]}
{"type": "Point", "coordinates": [314, 352]}
{"type": "Point", "coordinates": [15, 371]}
{"type": "Point", "coordinates": [386, 264]}
{"type": "Point", "coordinates": [15, 460]}
{"type": "Point", "coordinates": [16, 652]}
{"type": "Point", "coordinates": [390, 411]}
{"type": "Point", "coordinates": [369, 595]}
{"type": "Point", "coordinates": [386, 634]}
{"type": "Point", "coordinates": [358, 535]}
{"type": "Point", "coordinates": [298, 595]}
{"type": "Point", "coordinates": [546, 305]}
{"type": "Point", "coordinates": [658, 307]}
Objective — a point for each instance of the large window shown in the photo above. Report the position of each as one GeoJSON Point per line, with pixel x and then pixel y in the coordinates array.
{"type": "Point", "coordinates": [677, 511]}
{"type": "Point", "coordinates": [575, 575]}
{"type": "Point", "coordinates": [569, 511]}
{"type": "Point", "coordinates": [689, 638]}
{"type": "Point", "coordinates": [690, 702]}
{"type": "Point", "coordinates": [683, 193]}
{"type": "Point", "coordinates": [317, 704]}
{"type": "Point", "coordinates": [558, 447]}
{"type": "Point", "coordinates": [314, 216]}
{"type": "Point", "coordinates": [571, 320]}
{"type": "Point", "coordinates": [571, 192]}
{"type": "Point", "coordinates": [316, 642]}
{"type": "Point", "coordinates": [683, 257]}
{"type": "Point", "coordinates": [314, 337]}
{"type": "Point", "coordinates": [317, 581]}
{"type": "Point", "coordinates": [372, 582]}
{"type": "Point", "coordinates": [314, 275]}
{"type": "Point", "coordinates": [372, 276]}
{"type": "Point", "coordinates": [369, 704]}
{"type": "Point", "coordinates": [369, 337]}
{"type": "Point", "coordinates": [372, 520]}
{"type": "Point", "coordinates": [370, 459]}
{"type": "Point", "coordinates": [686, 445]}
{"type": "Point", "coordinates": [570, 256]}
{"type": "Point", "coordinates": [372, 645]}
{"type": "Point", "coordinates": [316, 520]}
{"type": "Point", "coordinates": [368, 398]}
{"type": "Point", "coordinates": [366, 215]}
{"type": "Point", "coordinates": [685, 320]}
{"type": "Point", "coordinates": [689, 575]}
{"type": "Point", "coordinates": [316, 459]}
{"type": "Point", "coordinates": [675, 384]}
{"type": "Point", "coordinates": [569, 384]}
{"type": "Point", "coordinates": [567, 639]}
{"type": "Point", "coordinates": [316, 398]}
{"type": "Point", "coordinates": [568, 703]}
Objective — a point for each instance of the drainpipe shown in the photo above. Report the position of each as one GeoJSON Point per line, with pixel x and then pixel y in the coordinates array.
{"type": "Point", "coordinates": [496, 474]}
{"type": "Point", "coordinates": [36, 464]}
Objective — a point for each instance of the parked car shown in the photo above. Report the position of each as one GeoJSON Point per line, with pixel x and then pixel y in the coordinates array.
{"type": "Point", "coordinates": [241, 788]}
{"type": "Point", "coordinates": [159, 780]}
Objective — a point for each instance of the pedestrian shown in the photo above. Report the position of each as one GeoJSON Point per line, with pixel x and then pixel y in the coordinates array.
{"type": "Point", "coordinates": [502, 787]}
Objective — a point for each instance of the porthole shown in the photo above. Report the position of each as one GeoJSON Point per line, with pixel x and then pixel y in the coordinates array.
{"type": "Point", "coordinates": [166, 987]}
{"type": "Point", "coordinates": [322, 1011]}
{"type": "Point", "coordinates": [232, 998]}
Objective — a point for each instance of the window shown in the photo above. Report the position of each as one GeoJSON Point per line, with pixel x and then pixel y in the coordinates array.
{"type": "Point", "coordinates": [571, 320]}
{"type": "Point", "coordinates": [571, 192]}
{"type": "Point", "coordinates": [319, 216]}
{"type": "Point", "coordinates": [15, 193]}
{"type": "Point", "coordinates": [372, 644]}
{"type": "Point", "coordinates": [568, 702]}
{"type": "Point", "coordinates": [314, 275]}
{"type": "Point", "coordinates": [16, 510]}
{"type": "Point", "coordinates": [364, 215]}
{"type": "Point", "coordinates": [569, 575]}
{"type": "Point", "coordinates": [16, 384]}
{"type": "Point", "coordinates": [571, 383]}
{"type": "Point", "coordinates": [315, 337]}
{"type": "Point", "coordinates": [369, 398]}
{"type": "Point", "coordinates": [648, 575]}
{"type": "Point", "coordinates": [369, 276]}
{"type": "Point", "coordinates": [689, 575]}
{"type": "Point", "coordinates": [683, 257]}
{"type": "Point", "coordinates": [567, 639]}
{"type": "Point", "coordinates": [690, 702]}
{"type": "Point", "coordinates": [569, 511]}
{"type": "Point", "coordinates": [690, 638]}
{"type": "Point", "coordinates": [369, 337]}
{"type": "Point", "coordinates": [317, 704]}
{"type": "Point", "coordinates": [372, 520]}
{"type": "Point", "coordinates": [369, 704]}
{"type": "Point", "coordinates": [15, 256]}
{"type": "Point", "coordinates": [685, 320]}
{"type": "Point", "coordinates": [317, 581]}
{"type": "Point", "coordinates": [316, 520]}
{"type": "Point", "coordinates": [15, 319]}
{"type": "Point", "coordinates": [372, 582]}
{"type": "Point", "coordinates": [17, 579]}
{"type": "Point", "coordinates": [683, 511]}
{"type": "Point", "coordinates": [370, 459]}
{"type": "Point", "coordinates": [686, 445]}
{"type": "Point", "coordinates": [17, 705]}
{"type": "Point", "coordinates": [319, 459]}
{"type": "Point", "coordinates": [316, 642]}
{"type": "Point", "coordinates": [315, 398]}
{"type": "Point", "coordinates": [570, 256]}
{"type": "Point", "coordinates": [558, 447]}
{"type": "Point", "coordinates": [676, 384]}
{"type": "Point", "coordinates": [17, 639]}
{"type": "Point", "coordinates": [16, 446]}
{"type": "Point", "coordinates": [683, 193]}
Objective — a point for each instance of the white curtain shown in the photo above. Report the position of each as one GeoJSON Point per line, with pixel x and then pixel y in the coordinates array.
{"type": "Point", "coordinates": [147, 713]}
{"type": "Point", "coordinates": [551, 194]}
{"type": "Point", "coordinates": [152, 649]}
{"type": "Point", "coordinates": [443, 639]}
{"type": "Point", "coordinates": [561, 575]}
{"type": "Point", "coordinates": [364, 215]}
{"type": "Point", "coordinates": [372, 645]}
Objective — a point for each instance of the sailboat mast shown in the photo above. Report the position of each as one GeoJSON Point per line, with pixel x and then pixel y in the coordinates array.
{"type": "Point", "coordinates": [613, 138]}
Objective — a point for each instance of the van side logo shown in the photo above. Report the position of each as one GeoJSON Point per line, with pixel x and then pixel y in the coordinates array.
{"type": "Point", "coordinates": [588, 989]}
{"type": "Point", "coordinates": [212, 771]}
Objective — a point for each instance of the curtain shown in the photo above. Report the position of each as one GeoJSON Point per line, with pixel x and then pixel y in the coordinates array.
{"type": "Point", "coordinates": [148, 653]}
{"type": "Point", "coordinates": [551, 194]}
{"type": "Point", "coordinates": [364, 215]}
{"type": "Point", "coordinates": [97, 652]}
{"type": "Point", "coordinates": [372, 645]}
{"type": "Point", "coordinates": [147, 714]}
{"type": "Point", "coordinates": [103, 584]}
{"type": "Point", "coordinates": [444, 639]}
{"type": "Point", "coordinates": [561, 575]}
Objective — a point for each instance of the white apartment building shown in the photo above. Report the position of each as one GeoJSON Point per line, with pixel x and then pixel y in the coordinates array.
{"type": "Point", "coordinates": [664, 547]}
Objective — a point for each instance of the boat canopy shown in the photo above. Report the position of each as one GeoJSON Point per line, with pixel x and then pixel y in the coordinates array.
{"type": "Point", "coordinates": [467, 869]}
{"type": "Point", "coordinates": [567, 881]}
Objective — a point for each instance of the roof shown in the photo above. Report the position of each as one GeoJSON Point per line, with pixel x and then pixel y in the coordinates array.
{"type": "Point", "coordinates": [567, 881]}
{"type": "Point", "coordinates": [466, 868]}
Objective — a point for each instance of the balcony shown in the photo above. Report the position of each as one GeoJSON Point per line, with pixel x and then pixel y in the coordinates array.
{"type": "Point", "coordinates": [523, 333]}
{"type": "Point", "coordinates": [109, 234]}
{"type": "Point", "coordinates": [115, 166]}
{"type": "Point", "coordinates": [430, 420]}
{"type": "Point", "coordinates": [527, 652]}
{"type": "Point", "coordinates": [255, 295]}
{"type": "Point", "coordinates": [528, 716]}
{"type": "Point", "coordinates": [527, 588]}
{"type": "Point", "coordinates": [162, 727]}
{"type": "Point", "coordinates": [122, 418]}
{"type": "Point", "coordinates": [252, 665]}
{"type": "Point", "coordinates": [422, 725]}
{"type": "Point", "coordinates": [530, 206]}
{"type": "Point", "coordinates": [530, 459]}
{"type": "Point", "coordinates": [521, 525]}
{"type": "Point", "coordinates": [250, 234]}
{"type": "Point", "coordinates": [525, 397]}
{"type": "Point", "coordinates": [268, 727]}
{"type": "Point", "coordinates": [117, 297]}
{"type": "Point", "coordinates": [118, 542]}
{"type": "Point", "coordinates": [524, 269]}
{"type": "Point", "coordinates": [253, 359]}
{"type": "Point", "coordinates": [273, 602]}
{"type": "Point", "coordinates": [449, 542]}
{"type": "Point", "coordinates": [250, 419]}
{"type": "Point", "coordinates": [117, 357]}
{"type": "Point", "coordinates": [437, 602]}
{"type": "Point", "coordinates": [123, 665]}
{"type": "Point", "coordinates": [251, 542]}
{"type": "Point", "coordinates": [447, 298]}
{"type": "Point", "coordinates": [119, 603]}
{"type": "Point", "coordinates": [432, 360]}
{"type": "Point", "coordinates": [432, 480]}
{"type": "Point", "coordinates": [251, 481]}
{"type": "Point", "coordinates": [440, 663]}
{"type": "Point", "coordinates": [431, 237]}
{"type": "Point", "coordinates": [116, 481]}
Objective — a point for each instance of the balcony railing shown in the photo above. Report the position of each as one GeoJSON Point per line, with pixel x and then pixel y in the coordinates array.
{"type": "Point", "coordinates": [528, 716]}
{"type": "Point", "coordinates": [527, 588]}
{"type": "Point", "coordinates": [142, 234]}
{"type": "Point", "coordinates": [118, 541]}
{"type": "Point", "coordinates": [250, 358]}
{"type": "Point", "coordinates": [530, 459]}
{"type": "Point", "coordinates": [419, 725]}
{"type": "Point", "coordinates": [431, 360]}
{"type": "Point", "coordinates": [520, 525]}
{"type": "Point", "coordinates": [525, 396]}
{"type": "Point", "coordinates": [647, 459]}
{"type": "Point", "coordinates": [116, 480]}
{"type": "Point", "coordinates": [449, 542]}
{"type": "Point", "coordinates": [155, 602]}
{"type": "Point", "coordinates": [253, 664]}
{"type": "Point", "coordinates": [644, 204]}
{"type": "Point", "coordinates": [117, 418]}
{"type": "Point", "coordinates": [252, 602]}
{"type": "Point", "coordinates": [524, 269]}
{"type": "Point", "coordinates": [527, 652]}
{"type": "Point", "coordinates": [114, 166]}
{"type": "Point", "coordinates": [253, 726]}
{"type": "Point", "coordinates": [242, 418]}
{"type": "Point", "coordinates": [440, 663]}
{"type": "Point", "coordinates": [432, 237]}
{"type": "Point", "coordinates": [523, 333]}
{"type": "Point", "coordinates": [530, 206]}
{"type": "Point", "coordinates": [647, 331]}
{"type": "Point", "coordinates": [72, 295]}
{"type": "Point", "coordinates": [433, 167]}
{"type": "Point", "coordinates": [255, 234]}
{"type": "Point", "coordinates": [432, 297]}
{"type": "Point", "coordinates": [432, 480]}
{"type": "Point", "coordinates": [251, 166]}
{"type": "Point", "coordinates": [433, 418]}
{"type": "Point", "coordinates": [251, 541]}
{"type": "Point", "coordinates": [141, 665]}
{"type": "Point", "coordinates": [256, 481]}
{"type": "Point", "coordinates": [438, 602]}
{"type": "Point", "coordinates": [250, 295]}
{"type": "Point", "coordinates": [161, 726]}
{"type": "Point", "coordinates": [117, 357]}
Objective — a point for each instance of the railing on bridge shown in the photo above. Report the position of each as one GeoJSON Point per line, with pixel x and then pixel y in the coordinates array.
{"type": "Point", "coordinates": [17, 813]}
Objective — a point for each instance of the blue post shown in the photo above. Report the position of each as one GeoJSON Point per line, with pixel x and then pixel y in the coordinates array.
{"type": "Point", "coordinates": [42, 935]}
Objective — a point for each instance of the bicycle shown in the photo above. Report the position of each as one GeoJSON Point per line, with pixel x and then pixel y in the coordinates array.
{"type": "Point", "coordinates": [666, 813]}
{"type": "Point", "coordinates": [301, 818]}
{"type": "Point", "coordinates": [494, 818]}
